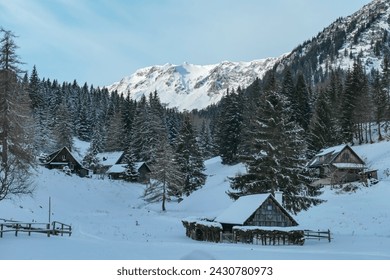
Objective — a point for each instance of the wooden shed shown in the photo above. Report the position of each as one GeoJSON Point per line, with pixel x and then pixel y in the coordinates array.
{"type": "Point", "coordinates": [257, 219]}
{"type": "Point", "coordinates": [255, 210]}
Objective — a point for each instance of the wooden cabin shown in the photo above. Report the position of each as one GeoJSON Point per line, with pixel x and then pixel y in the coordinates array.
{"type": "Point", "coordinates": [63, 159]}
{"type": "Point", "coordinates": [340, 164]}
{"type": "Point", "coordinates": [260, 210]}
{"type": "Point", "coordinates": [257, 219]}
{"type": "Point", "coordinates": [117, 172]}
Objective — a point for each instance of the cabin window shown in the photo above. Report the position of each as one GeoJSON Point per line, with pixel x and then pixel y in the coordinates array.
{"type": "Point", "coordinates": [63, 157]}
{"type": "Point", "coordinates": [269, 207]}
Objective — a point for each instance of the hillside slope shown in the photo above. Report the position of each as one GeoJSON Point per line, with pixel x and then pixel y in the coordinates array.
{"type": "Point", "coordinates": [111, 221]}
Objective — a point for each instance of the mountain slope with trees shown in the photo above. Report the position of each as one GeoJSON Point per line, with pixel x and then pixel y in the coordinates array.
{"type": "Point", "coordinates": [332, 89]}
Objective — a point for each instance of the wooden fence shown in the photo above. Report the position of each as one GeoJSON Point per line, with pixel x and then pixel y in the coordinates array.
{"type": "Point", "coordinates": [56, 228]}
{"type": "Point", "coordinates": [312, 234]}
{"type": "Point", "coordinates": [61, 228]}
{"type": "Point", "coordinates": [275, 237]}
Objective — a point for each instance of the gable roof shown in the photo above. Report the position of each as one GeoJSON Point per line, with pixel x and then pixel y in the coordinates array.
{"type": "Point", "coordinates": [329, 155]}
{"type": "Point", "coordinates": [243, 208]}
{"type": "Point", "coordinates": [138, 165]}
{"type": "Point", "coordinates": [52, 156]}
{"type": "Point", "coordinates": [109, 158]}
{"type": "Point", "coordinates": [117, 168]}
{"type": "Point", "coordinates": [120, 168]}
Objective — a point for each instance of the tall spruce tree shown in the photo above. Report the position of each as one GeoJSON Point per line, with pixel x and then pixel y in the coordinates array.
{"type": "Point", "coordinates": [288, 88]}
{"type": "Point", "coordinates": [301, 103]}
{"type": "Point", "coordinates": [83, 114]}
{"type": "Point", "coordinates": [229, 128]}
{"type": "Point", "coordinates": [322, 128]}
{"type": "Point", "coordinates": [354, 100]}
{"type": "Point", "coordinates": [279, 156]}
{"type": "Point", "coordinates": [131, 172]}
{"type": "Point", "coordinates": [206, 144]}
{"type": "Point", "coordinates": [115, 132]}
{"type": "Point", "coordinates": [166, 178]}
{"type": "Point", "coordinates": [250, 105]}
{"type": "Point", "coordinates": [189, 158]}
{"type": "Point", "coordinates": [63, 130]}
{"type": "Point", "coordinates": [347, 108]}
{"type": "Point", "coordinates": [43, 137]}
{"type": "Point", "coordinates": [380, 101]}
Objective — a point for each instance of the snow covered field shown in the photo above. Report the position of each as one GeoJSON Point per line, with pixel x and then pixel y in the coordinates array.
{"type": "Point", "coordinates": [111, 221]}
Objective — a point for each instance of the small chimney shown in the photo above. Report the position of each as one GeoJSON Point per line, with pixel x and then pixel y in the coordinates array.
{"type": "Point", "coordinates": [279, 196]}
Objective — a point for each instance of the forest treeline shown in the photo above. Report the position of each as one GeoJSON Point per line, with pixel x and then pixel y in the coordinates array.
{"type": "Point", "coordinates": [273, 126]}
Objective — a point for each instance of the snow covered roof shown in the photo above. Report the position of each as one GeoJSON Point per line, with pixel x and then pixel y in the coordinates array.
{"type": "Point", "coordinates": [109, 158]}
{"type": "Point", "coordinates": [331, 150]}
{"type": "Point", "coordinates": [242, 209]}
{"type": "Point", "coordinates": [202, 221]}
{"type": "Point", "coordinates": [117, 168]}
{"type": "Point", "coordinates": [137, 165]}
{"type": "Point", "coordinates": [328, 156]}
{"type": "Point", "coordinates": [325, 156]}
{"type": "Point", "coordinates": [120, 168]}
{"type": "Point", "coordinates": [52, 157]}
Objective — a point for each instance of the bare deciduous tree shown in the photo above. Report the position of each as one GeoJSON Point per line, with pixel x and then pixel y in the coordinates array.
{"type": "Point", "coordinates": [16, 155]}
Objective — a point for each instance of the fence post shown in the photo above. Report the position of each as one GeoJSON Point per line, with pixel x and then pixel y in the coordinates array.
{"type": "Point", "coordinates": [329, 235]}
{"type": "Point", "coordinates": [16, 229]}
{"type": "Point", "coordinates": [48, 230]}
{"type": "Point", "coordinates": [29, 229]}
{"type": "Point", "coordinates": [1, 230]}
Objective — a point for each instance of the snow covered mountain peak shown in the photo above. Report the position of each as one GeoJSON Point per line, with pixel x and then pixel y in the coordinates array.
{"type": "Point", "coordinates": [364, 35]}
{"type": "Point", "coordinates": [189, 86]}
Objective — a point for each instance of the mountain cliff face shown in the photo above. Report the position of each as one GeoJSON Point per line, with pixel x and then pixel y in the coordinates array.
{"type": "Point", "coordinates": [364, 35]}
{"type": "Point", "coordinates": [189, 86]}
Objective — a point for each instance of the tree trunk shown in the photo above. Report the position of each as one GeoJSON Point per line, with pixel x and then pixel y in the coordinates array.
{"type": "Point", "coordinates": [164, 198]}
{"type": "Point", "coordinates": [379, 132]}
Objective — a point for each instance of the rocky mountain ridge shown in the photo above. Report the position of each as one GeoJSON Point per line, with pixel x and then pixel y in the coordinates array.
{"type": "Point", "coordinates": [188, 86]}
{"type": "Point", "coordinates": [363, 35]}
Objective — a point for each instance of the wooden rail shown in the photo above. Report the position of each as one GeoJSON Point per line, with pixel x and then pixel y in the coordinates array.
{"type": "Point", "coordinates": [312, 234]}
{"type": "Point", "coordinates": [45, 228]}
{"type": "Point", "coordinates": [61, 228]}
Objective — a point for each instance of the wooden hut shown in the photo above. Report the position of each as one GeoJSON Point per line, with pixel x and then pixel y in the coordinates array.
{"type": "Point", "coordinates": [255, 210]}
{"type": "Point", "coordinates": [258, 219]}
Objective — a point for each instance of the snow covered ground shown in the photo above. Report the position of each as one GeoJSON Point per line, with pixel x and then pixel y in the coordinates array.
{"type": "Point", "coordinates": [111, 221]}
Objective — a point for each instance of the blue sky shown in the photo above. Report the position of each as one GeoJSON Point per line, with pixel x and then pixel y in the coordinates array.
{"type": "Point", "coordinates": [101, 41]}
